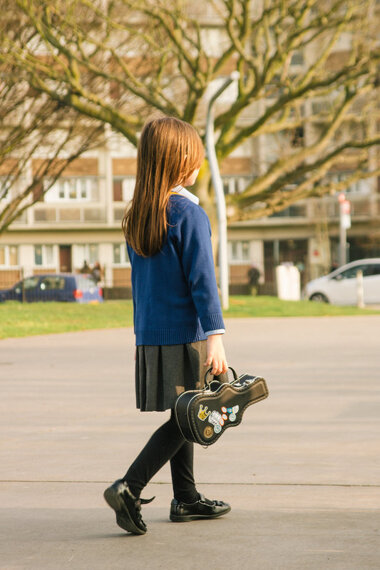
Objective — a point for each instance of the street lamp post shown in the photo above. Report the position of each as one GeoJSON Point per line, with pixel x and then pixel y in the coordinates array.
{"type": "Point", "coordinates": [218, 187]}
{"type": "Point", "coordinates": [344, 225]}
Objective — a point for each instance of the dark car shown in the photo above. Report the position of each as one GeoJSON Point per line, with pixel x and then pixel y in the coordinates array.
{"type": "Point", "coordinates": [66, 287]}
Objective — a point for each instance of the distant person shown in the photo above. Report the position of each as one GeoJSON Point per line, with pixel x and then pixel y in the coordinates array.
{"type": "Point", "coordinates": [85, 268]}
{"type": "Point", "coordinates": [177, 315]}
{"type": "Point", "coordinates": [253, 279]}
{"type": "Point", "coordinates": [96, 272]}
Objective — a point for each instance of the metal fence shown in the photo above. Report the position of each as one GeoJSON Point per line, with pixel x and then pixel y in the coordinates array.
{"type": "Point", "coordinates": [114, 281]}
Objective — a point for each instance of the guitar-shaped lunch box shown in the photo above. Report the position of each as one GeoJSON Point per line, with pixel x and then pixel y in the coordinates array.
{"type": "Point", "coordinates": [204, 415]}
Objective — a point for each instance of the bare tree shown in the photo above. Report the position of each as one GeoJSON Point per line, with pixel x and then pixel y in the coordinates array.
{"type": "Point", "coordinates": [308, 79]}
{"type": "Point", "coordinates": [35, 126]}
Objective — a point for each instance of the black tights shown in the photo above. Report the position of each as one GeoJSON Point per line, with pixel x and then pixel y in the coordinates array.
{"type": "Point", "coordinates": [167, 443]}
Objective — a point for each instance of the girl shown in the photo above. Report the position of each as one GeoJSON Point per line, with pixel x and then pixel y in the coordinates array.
{"type": "Point", "coordinates": [177, 315]}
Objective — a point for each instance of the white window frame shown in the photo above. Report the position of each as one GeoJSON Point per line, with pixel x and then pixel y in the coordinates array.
{"type": "Point", "coordinates": [124, 259]}
{"type": "Point", "coordinates": [7, 264]}
{"type": "Point", "coordinates": [49, 255]}
{"type": "Point", "coordinates": [239, 259]}
{"type": "Point", "coordinates": [128, 187]}
{"type": "Point", "coordinates": [235, 184]}
{"type": "Point", "coordinates": [61, 189]}
{"type": "Point", "coordinates": [81, 253]}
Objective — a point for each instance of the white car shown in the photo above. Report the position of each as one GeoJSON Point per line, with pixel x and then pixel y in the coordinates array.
{"type": "Point", "coordinates": [340, 286]}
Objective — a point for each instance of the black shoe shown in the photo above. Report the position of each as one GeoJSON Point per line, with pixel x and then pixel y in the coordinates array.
{"type": "Point", "coordinates": [126, 507]}
{"type": "Point", "coordinates": [201, 509]}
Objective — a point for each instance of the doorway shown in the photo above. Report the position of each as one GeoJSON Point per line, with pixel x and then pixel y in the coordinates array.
{"type": "Point", "coordinates": [65, 258]}
{"type": "Point", "coordinates": [279, 251]}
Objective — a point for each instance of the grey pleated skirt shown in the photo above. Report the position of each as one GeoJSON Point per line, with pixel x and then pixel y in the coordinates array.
{"type": "Point", "coordinates": [164, 372]}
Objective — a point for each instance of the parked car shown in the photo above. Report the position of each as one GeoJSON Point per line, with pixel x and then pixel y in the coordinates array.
{"type": "Point", "coordinates": [340, 286]}
{"type": "Point", "coordinates": [65, 287]}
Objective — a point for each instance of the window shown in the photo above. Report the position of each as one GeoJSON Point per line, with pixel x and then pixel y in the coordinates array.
{"type": "Point", "coordinates": [120, 254]}
{"type": "Point", "coordinates": [44, 255]}
{"type": "Point", "coordinates": [235, 184]}
{"type": "Point", "coordinates": [359, 187]}
{"type": "Point", "coordinates": [351, 273]}
{"type": "Point", "coordinates": [297, 58]}
{"type": "Point", "coordinates": [239, 251]}
{"type": "Point", "coordinates": [117, 190]}
{"type": "Point", "coordinates": [245, 250]}
{"type": "Point", "coordinates": [370, 270]}
{"type": "Point", "coordinates": [8, 255]}
{"type": "Point", "coordinates": [128, 188]}
{"type": "Point", "coordinates": [51, 283]}
{"type": "Point", "coordinates": [123, 189]}
{"type": "Point", "coordinates": [30, 282]}
{"type": "Point", "coordinates": [13, 255]}
{"type": "Point", "coordinates": [83, 189]}
{"type": "Point", "coordinates": [86, 253]}
{"type": "Point", "coordinates": [93, 250]}
{"type": "Point", "coordinates": [38, 255]}
{"type": "Point", "coordinates": [297, 137]}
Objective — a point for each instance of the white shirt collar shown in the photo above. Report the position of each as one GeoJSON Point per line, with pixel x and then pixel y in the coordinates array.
{"type": "Point", "coordinates": [183, 192]}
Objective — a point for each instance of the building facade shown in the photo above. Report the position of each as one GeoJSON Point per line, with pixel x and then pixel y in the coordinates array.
{"type": "Point", "coordinates": [79, 221]}
{"type": "Point", "coordinates": [79, 218]}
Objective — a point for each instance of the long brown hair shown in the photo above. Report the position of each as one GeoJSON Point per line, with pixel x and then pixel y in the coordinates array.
{"type": "Point", "coordinates": [169, 151]}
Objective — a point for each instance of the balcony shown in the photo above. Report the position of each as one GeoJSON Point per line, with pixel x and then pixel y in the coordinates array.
{"type": "Point", "coordinates": [363, 207]}
{"type": "Point", "coordinates": [313, 210]}
{"type": "Point", "coordinates": [69, 214]}
{"type": "Point", "coordinates": [118, 212]}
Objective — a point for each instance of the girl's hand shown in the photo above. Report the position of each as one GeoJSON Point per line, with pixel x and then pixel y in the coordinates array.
{"type": "Point", "coordinates": [216, 355]}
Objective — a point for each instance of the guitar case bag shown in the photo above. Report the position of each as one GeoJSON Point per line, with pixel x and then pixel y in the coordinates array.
{"type": "Point", "coordinates": [204, 415]}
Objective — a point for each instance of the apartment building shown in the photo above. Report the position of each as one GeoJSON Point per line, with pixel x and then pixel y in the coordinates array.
{"type": "Point", "coordinates": [79, 218]}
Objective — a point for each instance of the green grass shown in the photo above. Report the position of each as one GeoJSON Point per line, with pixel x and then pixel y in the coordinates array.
{"type": "Point", "coordinates": [25, 319]}
{"type": "Point", "coordinates": [18, 319]}
{"type": "Point", "coordinates": [264, 306]}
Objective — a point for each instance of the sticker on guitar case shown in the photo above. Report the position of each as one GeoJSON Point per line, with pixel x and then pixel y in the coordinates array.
{"type": "Point", "coordinates": [233, 411]}
{"type": "Point", "coordinates": [208, 432]}
{"type": "Point", "coordinates": [215, 418]}
{"type": "Point", "coordinates": [203, 413]}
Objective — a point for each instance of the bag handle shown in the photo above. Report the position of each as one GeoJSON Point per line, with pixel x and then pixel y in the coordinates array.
{"type": "Point", "coordinates": [209, 370]}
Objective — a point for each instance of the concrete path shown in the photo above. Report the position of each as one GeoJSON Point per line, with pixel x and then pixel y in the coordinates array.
{"type": "Point", "coordinates": [302, 472]}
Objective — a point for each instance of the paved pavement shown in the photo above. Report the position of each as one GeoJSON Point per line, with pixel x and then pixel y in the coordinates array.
{"type": "Point", "coordinates": [302, 472]}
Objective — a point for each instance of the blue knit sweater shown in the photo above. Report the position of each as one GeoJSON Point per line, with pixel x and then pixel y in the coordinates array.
{"type": "Point", "coordinates": [175, 296]}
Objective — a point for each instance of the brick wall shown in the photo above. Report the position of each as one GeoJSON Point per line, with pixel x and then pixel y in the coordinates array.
{"type": "Point", "coordinates": [124, 166]}
{"type": "Point", "coordinates": [9, 277]}
{"type": "Point", "coordinates": [121, 276]}
{"type": "Point", "coordinates": [79, 167]}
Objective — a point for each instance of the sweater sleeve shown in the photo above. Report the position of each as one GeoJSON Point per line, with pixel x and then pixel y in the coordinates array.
{"type": "Point", "coordinates": [198, 266]}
